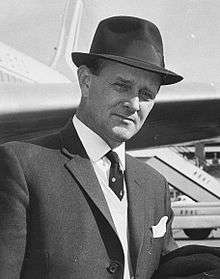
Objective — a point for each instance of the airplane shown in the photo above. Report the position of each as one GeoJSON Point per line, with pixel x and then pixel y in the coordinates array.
{"type": "Point", "coordinates": [184, 113]}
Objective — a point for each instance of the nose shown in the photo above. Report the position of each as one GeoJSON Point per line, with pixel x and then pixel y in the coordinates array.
{"type": "Point", "coordinates": [133, 104]}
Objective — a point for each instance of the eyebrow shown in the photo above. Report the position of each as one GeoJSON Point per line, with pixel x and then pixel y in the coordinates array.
{"type": "Point", "coordinates": [131, 82]}
{"type": "Point", "coordinates": [128, 81]}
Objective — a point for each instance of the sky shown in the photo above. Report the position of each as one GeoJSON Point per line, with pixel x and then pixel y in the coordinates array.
{"type": "Point", "coordinates": [190, 30]}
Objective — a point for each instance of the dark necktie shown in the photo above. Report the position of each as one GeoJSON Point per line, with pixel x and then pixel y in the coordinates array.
{"type": "Point", "coordinates": [115, 175]}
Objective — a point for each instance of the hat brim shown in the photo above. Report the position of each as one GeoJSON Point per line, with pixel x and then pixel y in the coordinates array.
{"type": "Point", "coordinates": [168, 77]}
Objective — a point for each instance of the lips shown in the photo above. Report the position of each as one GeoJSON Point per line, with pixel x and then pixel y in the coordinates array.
{"type": "Point", "coordinates": [128, 118]}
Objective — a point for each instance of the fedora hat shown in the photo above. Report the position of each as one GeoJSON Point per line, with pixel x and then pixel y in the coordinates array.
{"type": "Point", "coordinates": [129, 40]}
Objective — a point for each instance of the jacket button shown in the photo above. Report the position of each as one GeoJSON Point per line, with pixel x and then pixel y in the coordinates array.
{"type": "Point", "coordinates": [113, 267]}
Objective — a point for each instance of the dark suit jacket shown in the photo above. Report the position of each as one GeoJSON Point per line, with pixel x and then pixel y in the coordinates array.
{"type": "Point", "coordinates": [54, 220]}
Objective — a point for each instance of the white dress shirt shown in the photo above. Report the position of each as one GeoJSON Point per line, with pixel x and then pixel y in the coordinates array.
{"type": "Point", "coordinates": [96, 149]}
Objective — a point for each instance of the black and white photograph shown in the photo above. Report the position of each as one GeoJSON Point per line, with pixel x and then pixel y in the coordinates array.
{"type": "Point", "coordinates": [109, 139]}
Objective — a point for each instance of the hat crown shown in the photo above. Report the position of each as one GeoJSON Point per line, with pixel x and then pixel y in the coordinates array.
{"type": "Point", "coordinates": [130, 37]}
{"type": "Point", "coordinates": [129, 40]}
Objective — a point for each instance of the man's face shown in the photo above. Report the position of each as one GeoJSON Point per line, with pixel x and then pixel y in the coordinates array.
{"type": "Point", "coordinates": [117, 101]}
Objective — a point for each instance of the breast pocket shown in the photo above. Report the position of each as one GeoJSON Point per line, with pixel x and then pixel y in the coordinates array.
{"type": "Point", "coordinates": [35, 265]}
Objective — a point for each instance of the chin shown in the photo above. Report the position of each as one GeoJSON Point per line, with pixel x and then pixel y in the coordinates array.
{"type": "Point", "coordinates": [123, 134]}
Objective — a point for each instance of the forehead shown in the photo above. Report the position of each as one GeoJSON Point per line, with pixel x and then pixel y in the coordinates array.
{"type": "Point", "coordinates": [116, 70]}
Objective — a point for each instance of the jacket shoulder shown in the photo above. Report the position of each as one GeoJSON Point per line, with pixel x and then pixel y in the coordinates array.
{"type": "Point", "coordinates": [34, 146]}
{"type": "Point", "coordinates": [143, 167]}
{"type": "Point", "coordinates": [148, 176]}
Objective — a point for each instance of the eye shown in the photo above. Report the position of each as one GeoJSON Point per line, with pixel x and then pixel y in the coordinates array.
{"type": "Point", "coordinates": [121, 87]}
{"type": "Point", "coordinates": [146, 95]}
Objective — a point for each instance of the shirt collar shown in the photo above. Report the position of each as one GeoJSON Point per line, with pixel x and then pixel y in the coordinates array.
{"type": "Point", "coordinates": [94, 145]}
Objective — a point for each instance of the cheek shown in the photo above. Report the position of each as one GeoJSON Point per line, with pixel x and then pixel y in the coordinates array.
{"type": "Point", "coordinates": [101, 107]}
{"type": "Point", "coordinates": [97, 101]}
{"type": "Point", "coordinates": [145, 109]}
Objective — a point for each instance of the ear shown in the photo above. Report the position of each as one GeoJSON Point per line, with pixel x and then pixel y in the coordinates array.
{"type": "Point", "coordinates": [84, 77]}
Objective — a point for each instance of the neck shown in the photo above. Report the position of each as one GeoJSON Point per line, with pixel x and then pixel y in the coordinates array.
{"type": "Point", "coordinates": [112, 143]}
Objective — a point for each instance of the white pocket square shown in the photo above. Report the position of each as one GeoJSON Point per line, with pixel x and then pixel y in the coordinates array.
{"type": "Point", "coordinates": [160, 229]}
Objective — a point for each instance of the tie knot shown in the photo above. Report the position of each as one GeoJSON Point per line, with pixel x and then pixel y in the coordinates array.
{"type": "Point", "coordinates": [113, 157]}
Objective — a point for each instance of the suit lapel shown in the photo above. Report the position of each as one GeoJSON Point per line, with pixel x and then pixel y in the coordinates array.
{"type": "Point", "coordinates": [81, 168]}
{"type": "Point", "coordinates": [140, 211]}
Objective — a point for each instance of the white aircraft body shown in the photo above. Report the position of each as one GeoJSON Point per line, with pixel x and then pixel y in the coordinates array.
{"type": "Point", "coordinates": [37, 50]}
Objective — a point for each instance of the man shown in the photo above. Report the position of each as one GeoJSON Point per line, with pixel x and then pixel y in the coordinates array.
{"type": "Point", "coordinates": [72, 204]}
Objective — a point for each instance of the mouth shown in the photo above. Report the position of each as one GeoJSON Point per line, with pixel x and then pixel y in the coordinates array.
{"type": "Point", "coordinates": [125, 118]}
